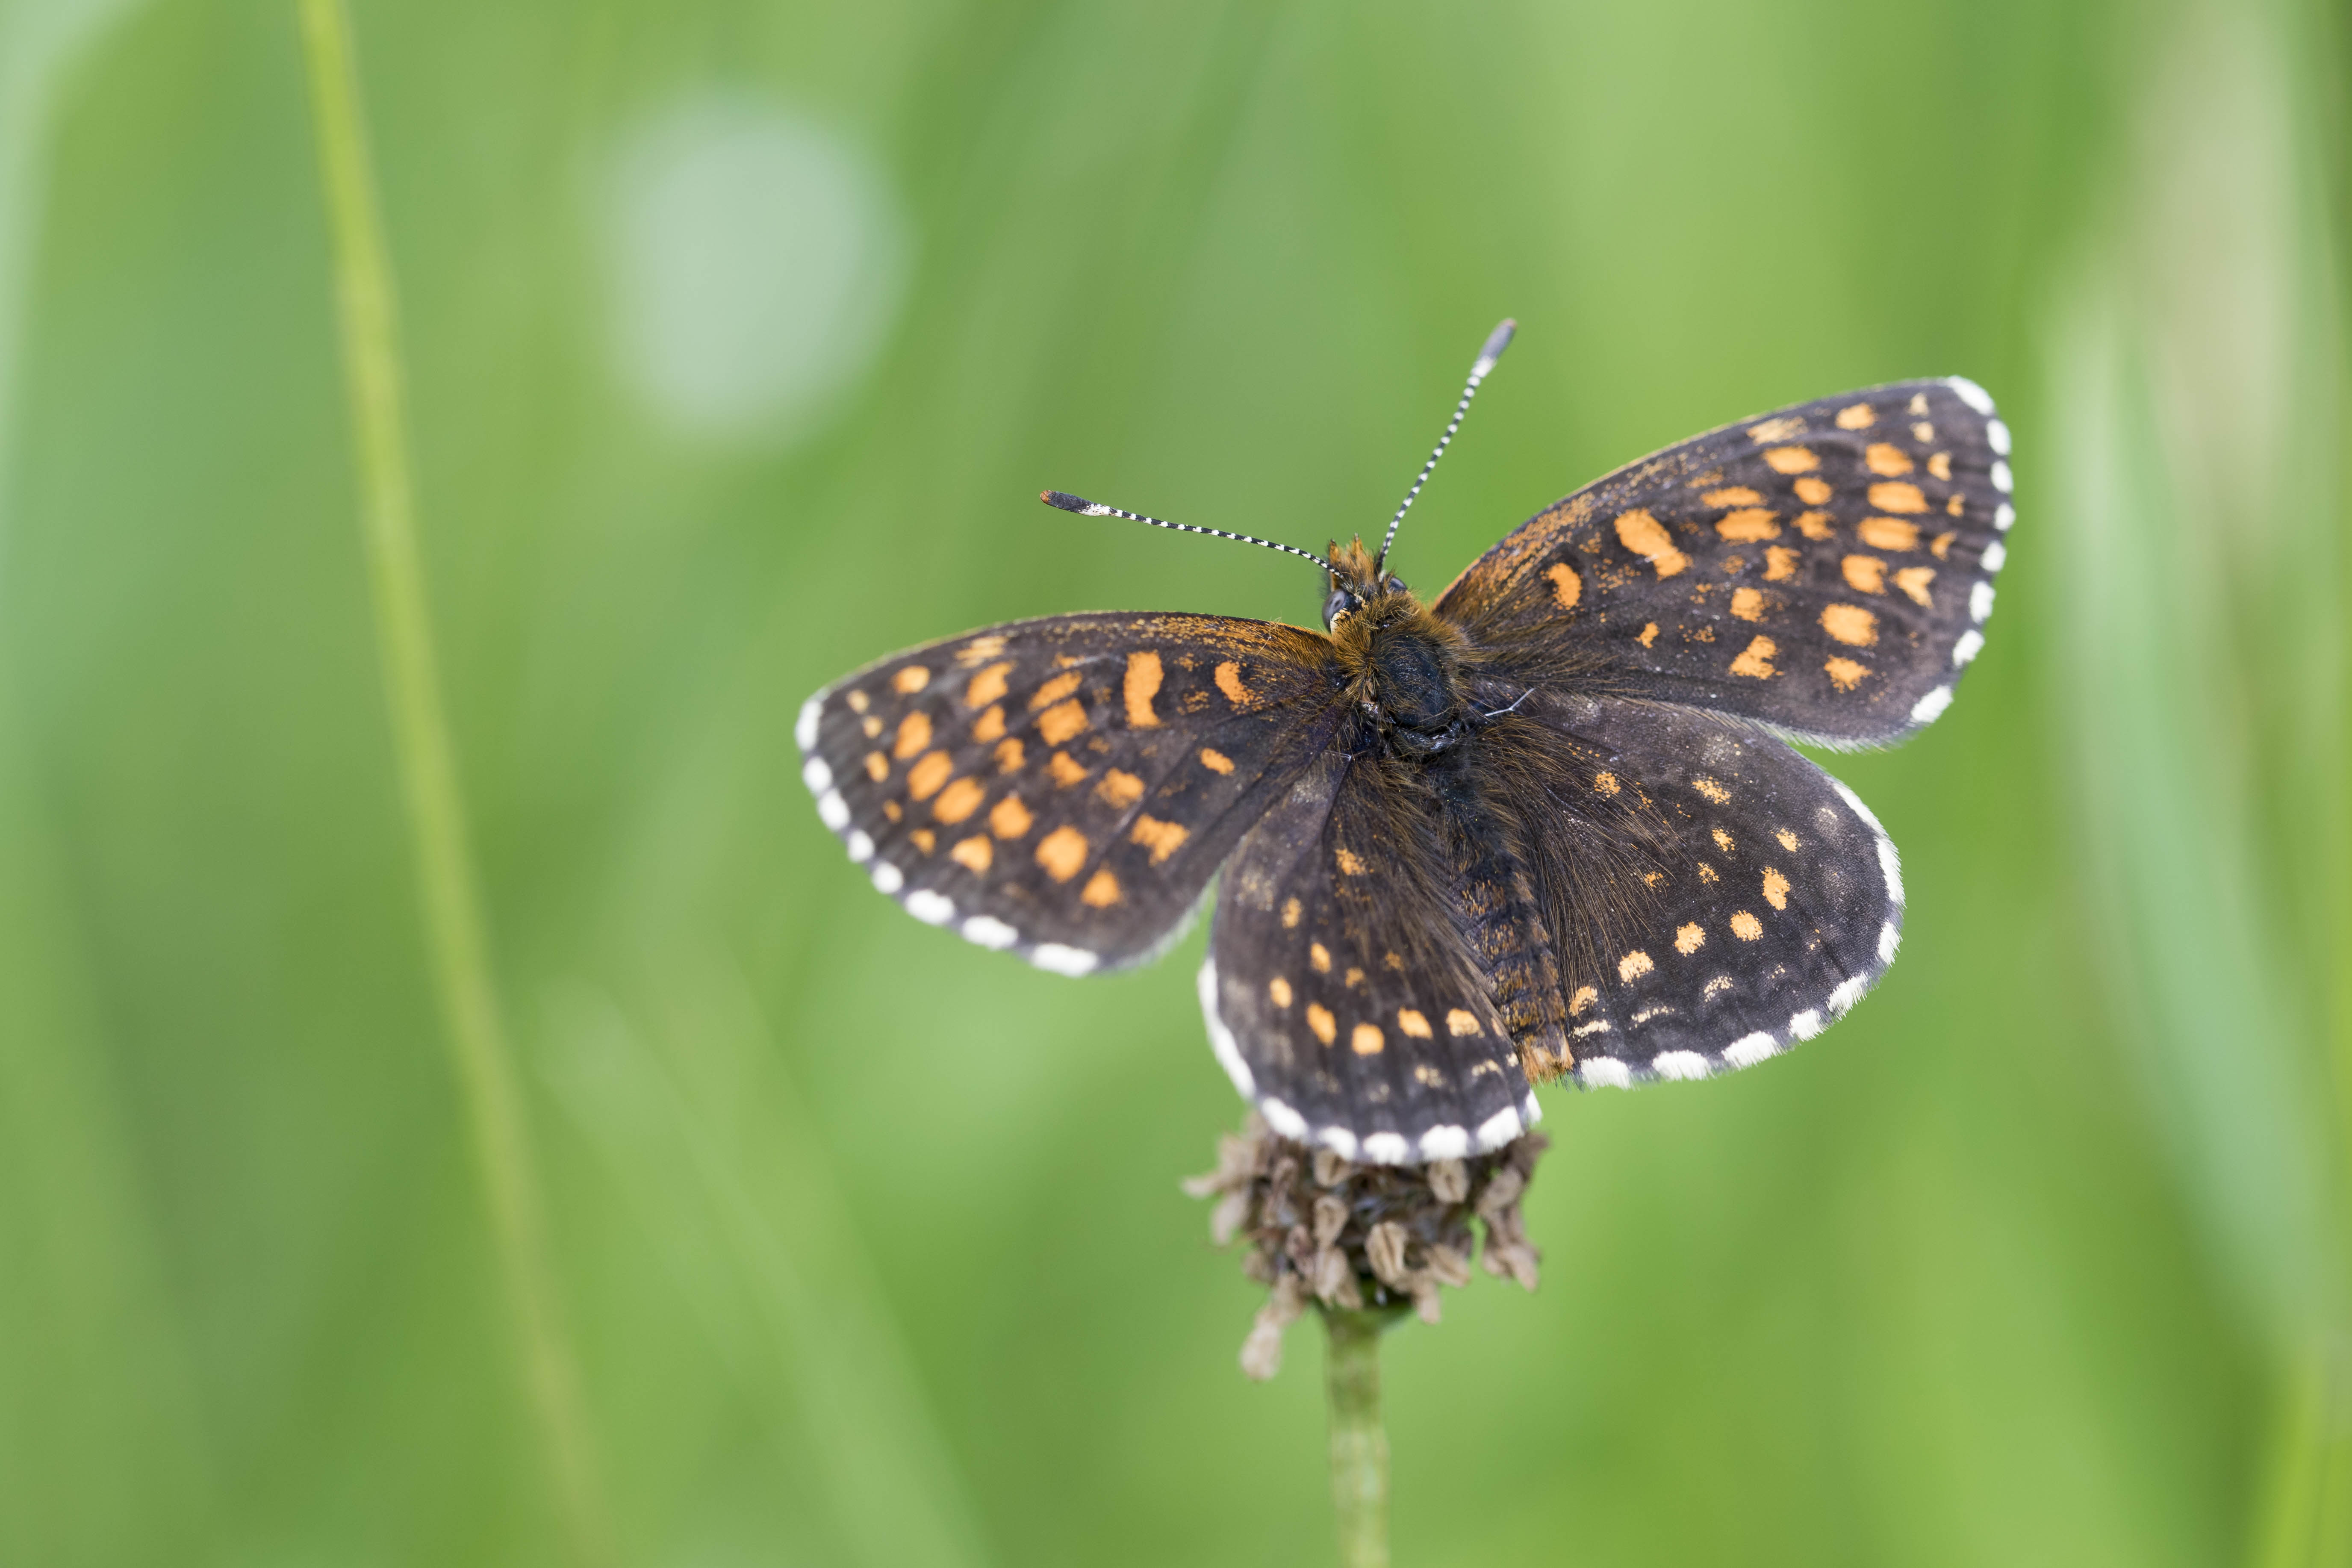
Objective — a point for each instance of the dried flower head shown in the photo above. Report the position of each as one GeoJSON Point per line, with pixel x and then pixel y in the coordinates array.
{"type": "Point", "coordinates": [1324, 1229]}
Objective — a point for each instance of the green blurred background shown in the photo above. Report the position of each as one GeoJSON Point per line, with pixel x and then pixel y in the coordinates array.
{"type": "Point", "coordinates": [740, 337]}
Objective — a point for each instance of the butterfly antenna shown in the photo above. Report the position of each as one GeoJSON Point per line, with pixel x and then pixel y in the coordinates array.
{"type": "Point", "coordinates": [1496, 342]}
{"type": "Point", "coordinates": [1084, 508]}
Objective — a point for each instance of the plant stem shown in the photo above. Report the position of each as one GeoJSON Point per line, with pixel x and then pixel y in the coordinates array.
{"type": "Point", "coordinates": [456, 939]}
{"type": "Point", "coordinates": [1360, 1445]}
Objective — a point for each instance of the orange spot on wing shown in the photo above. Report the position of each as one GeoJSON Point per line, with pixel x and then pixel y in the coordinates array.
{"type": "Point", "coordinates": [1605, 783]}
{"type": "Point", "coordinates": [1009, 818]}
{"type": "Point", "coordinates": [911, 679]}
{"type": "Point", "coordinates": [1738, 495]}
{"type": "Point", "coordinates": [988, 726]}
{"type": "Point", "coordinates": [1119, 790]}
{"type": "Point", "coordinates": [975, 853]}
{"type": "Point", "coordinates": [980, 650]}
{"type": "Point", "coordinates": [1319, 1019]}
{"type": "Point", "coordinates": [1366, 1040]}
{"type": "Point", "coordinates": [1792, 460]}
{"type": "Point", "coordinates": [858, 701]}
{"type": "Point", "coordinates": [1066, 772]}
{"type": "Point", "coordinates": [1351, 865]}
{"type": "Point", "coordinates": [1746, 927]}
{"type": "Point", "coordinates": [1279, 989]}
{"type": "Point", "coordinates": [1633, 965]}
{"type": "Point", "coordinates": [1054, 690]}
{"type": "Point", "coordinates": [1290, 913]}
{"type": "Point", "coordinates": [1816, 525]}
{"type": "Point", "coordinates": [1779, 429]}
{"type": "Point", "coordinates": [1585, 997]}
{"type": "Point", "coordinates": [1889, 460]}
{"type": "Point", "coordinates": [1749, 525]}
{"type": "Point", "coordinates": [1320, 957]}
{"type": "Point", "coordinates": [1712, 790]}
{"type": "Point", "coordinates": [877, 766]}
{"type": "Point", "coordinates": [923, 780]}
{"type": "Point", "coordinates": [1754, 661]}
{"type": "Point", "coordinates": [1748, 604]}
{"type": "Point", "coordinates": [1461, 1022]}
{"type": "Point", "coordinates": [1143, 675]}
{"type": "Point", "coordinates": [1893, 495]}
{"type": "Point", "coordinates": [1061, 721]}
{"type": "Point", "coordinates": [1649, 635]}
{"type": "Point", "coordinates": [1776, 889]}
{"type": "Point", "coordinates": [1646, 537]}
{"type": "Point", "coordinates": [924, 839]}
{"type": "Point", "coordinates": [1864, 573]}
{"type": "Point", "coordinates": [1914, 581]}
{"type": "Point", "coordinates": [914, 734]}
{"type": "Point", "coordinates": [1216, 761]}
{"type": "Point", "coordinates": [1163, 839]}
{"type": "Point", "coordinates": [1689, 939]}
{"type": "Point", "coordinates": [1414, 1023]}
{"type": "Point", "coordinates": [1889, 533]}
{"type": "Point", "coordinates": [1779, 563]}
{"type": "Point", "coordinates": [1857, 417]}
{"type": "Point", "coordinates": [1940, 465]}
{"type": "Point", "coordinates": [960, 800]}
{"type": "Point", "coordinates": [1062, 852]}
{"type": "Point", "coordinates": [1009, 753]}
{"type": "Point", "coordinates": [1814, 492]}
{"type": "Point", "coordinates": [987, 687]}
{"type": "Point", "coordinates": [1229, 681]}
{"type": "Point", "coordinates": [1943, 542]}
{"type": "Point", "coordinates": [1567, 587]}
{"type": "Point", "coordinates": [1850, 624]}
{"type": "Point", "coordinates": [1844, 674]}
{"type": "Point", "coordinates": [1101, 890]}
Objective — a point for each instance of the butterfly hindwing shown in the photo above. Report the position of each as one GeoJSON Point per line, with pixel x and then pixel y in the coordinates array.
{"type": "Point", "coordinates": [1339, 991]}
{"type": "Point", "coordinates": [1754, 902]}
{"type": "Point", "coordinates": [1066, 787]}
{"type": "Point", "coordinates": [1824, 569]}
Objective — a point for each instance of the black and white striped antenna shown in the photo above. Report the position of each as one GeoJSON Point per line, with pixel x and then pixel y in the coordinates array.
{"type": "Point", "coordinates": [1084, 508]}
{"type": "Point", "coordinates": [1496, 342]}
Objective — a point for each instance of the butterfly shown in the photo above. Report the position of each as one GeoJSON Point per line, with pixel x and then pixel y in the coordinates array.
{"type": "Point", "coordinates": [1544, 825]}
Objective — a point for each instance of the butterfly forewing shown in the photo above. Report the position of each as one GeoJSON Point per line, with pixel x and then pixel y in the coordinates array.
{"type": "Point", "coordinates": [1824, 569]}
{"type": "Point", "coordinates": [1340, 993]}
{"type": "Point", "coordinates": [1067, 787]}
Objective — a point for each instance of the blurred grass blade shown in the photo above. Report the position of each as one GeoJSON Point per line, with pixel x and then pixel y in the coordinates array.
{"type": "Point", "coordinates": [2197, 380]}
{"type": "Point", "coordinates": [40, 40]}
{"type": "Point", "coordinates": [448, 885]}
{"type": "Point", "coordinates": [703, 1130]}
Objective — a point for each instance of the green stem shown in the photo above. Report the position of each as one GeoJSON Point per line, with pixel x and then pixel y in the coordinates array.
{"type": "Point", "coordinates": [1360, 1445]}
{"type": "Point", "coordinates": [454, 928]}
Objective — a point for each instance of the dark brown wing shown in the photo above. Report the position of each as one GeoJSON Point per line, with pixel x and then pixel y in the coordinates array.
{"type": "Point", "coordinates": [1824, 569]}
{"type": "Point", "coordinates": [1749, 900]}
{"type": "Point", "coordinates": [1341, 990]}
{"type": "Point", "coordinates": [1067, 787]}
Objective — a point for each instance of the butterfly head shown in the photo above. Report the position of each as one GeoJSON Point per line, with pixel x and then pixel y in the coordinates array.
{"type": "Point", "coordinates": [1362, 594]}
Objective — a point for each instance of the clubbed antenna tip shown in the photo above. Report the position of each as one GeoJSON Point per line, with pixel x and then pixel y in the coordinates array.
{"type": "Point", "coordinates": [1496, 342]}
{"type": "Point", "coordinates": [1069, 502]}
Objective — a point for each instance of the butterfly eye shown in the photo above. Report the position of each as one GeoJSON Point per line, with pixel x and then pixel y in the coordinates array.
{"type": "Point", "coordinates": [1395, 585]}
{"type": "Point", "coordinates": [1342, 603]}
